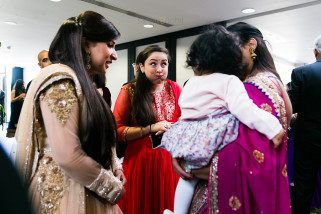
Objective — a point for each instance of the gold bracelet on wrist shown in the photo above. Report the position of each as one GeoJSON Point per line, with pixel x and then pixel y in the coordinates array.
{"type": "Point", "coordinates": [125, 133]}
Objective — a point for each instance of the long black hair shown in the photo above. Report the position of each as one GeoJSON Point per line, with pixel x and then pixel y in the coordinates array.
{"type": "Point", "coordinates": [19, 87]}
{"type": "Point", "coordinates": [263, 60]}
{"type": "Point", "coordinates": [216, 50]}
{"type": "Point", "coordinates": [97, 129]}
{"type": "Point", "coordinates": [142, 108]}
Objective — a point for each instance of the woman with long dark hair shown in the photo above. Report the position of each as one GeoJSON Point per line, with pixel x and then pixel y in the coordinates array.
{"type": "Point", "coordinates": [18, 95]}
{"type": "Point", "coordinates": [211, 112]}
{"type": "Point", "coordinates": [66, 136]}
{"type": "Point", "coordinates": [250, 174]}
{"type": "Point", "coordinates": [144, 110]}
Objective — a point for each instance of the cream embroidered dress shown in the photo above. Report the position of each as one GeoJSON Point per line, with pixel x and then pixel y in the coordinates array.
{"type": "Point", "coordinates": [49, 156]}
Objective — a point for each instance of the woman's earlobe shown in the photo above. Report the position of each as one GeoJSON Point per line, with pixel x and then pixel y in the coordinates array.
{"type": "Point", "coordinates": [141, 68]}
{"type": "Point", "coordinates": [253, 43]}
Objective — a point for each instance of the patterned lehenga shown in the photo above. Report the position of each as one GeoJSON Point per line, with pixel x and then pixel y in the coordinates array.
{"type": "Point", "coordinates": [151, 180]}
{"type": "Point", "coordinates": [61, 177]}
{"type": "Point", "coordinates": [249, 175]}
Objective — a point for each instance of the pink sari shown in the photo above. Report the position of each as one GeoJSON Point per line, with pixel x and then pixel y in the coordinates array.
{"type": "Point", "coordinates": [249, 175]}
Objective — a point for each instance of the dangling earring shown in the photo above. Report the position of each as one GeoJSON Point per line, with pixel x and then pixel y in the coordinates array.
{"type": "Point", "coordinates": [88, 59]}
{"type": "Point", "coordinates": [252, 54]}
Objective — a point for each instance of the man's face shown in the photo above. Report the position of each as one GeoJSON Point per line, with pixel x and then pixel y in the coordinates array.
{"type": "Point", "coordinates": [43, 59]}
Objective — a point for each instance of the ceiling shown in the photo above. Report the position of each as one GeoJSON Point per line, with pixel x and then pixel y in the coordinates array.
{"type": "Point", "coordinates": [290, 26]}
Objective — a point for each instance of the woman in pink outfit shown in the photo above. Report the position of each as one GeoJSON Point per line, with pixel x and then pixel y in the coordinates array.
{"type": "Point", "coordinates": [250, 174]}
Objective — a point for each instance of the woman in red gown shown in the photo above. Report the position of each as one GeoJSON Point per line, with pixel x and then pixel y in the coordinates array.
{"type": "Point", "coordinates": [143, 111]}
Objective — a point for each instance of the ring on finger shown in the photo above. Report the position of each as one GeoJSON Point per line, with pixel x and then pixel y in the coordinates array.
{"type": "Point", "coordinates": [187, 170]}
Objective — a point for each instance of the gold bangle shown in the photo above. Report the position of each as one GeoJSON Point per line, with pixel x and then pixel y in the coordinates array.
{"type": "Point", "coordinates": [125, 133]}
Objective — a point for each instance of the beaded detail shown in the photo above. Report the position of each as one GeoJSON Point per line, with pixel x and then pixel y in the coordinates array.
{"type": "Point", "coordinates": [60, 99]}
{"type": "Point", "coordinates": [264, 82]}
{"type": "Point", "coordinates": [50, 184]}
{"type": "Point", "coordinates": [164, 103]}
{"type": "Point", "coordinates": [213, 190]}
{"type": "Point", "coordinates": [107, 186]}
{"type": "Point", "coordinates": [266, 107]}
{"type": "Point", "coordinates": [259, 156]}
{"type": "Point", "coordinates": [234, 203]}
{"type": "Point", "coordinates": [285, 170]}
{"type": "Point", "coordinates": [200, 198]}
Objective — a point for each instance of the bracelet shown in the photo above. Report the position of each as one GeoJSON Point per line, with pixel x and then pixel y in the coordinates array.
{"type": "Point", "coordinates": [150, 128]}
{"type": "Point", "coordinates": [121, 169]}
{"type": "Point", "coordinates": [125, 133]}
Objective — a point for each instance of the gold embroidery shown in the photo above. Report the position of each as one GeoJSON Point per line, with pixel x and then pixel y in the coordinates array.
{"type": "Point", "coordinates": [107, 186]}
{"type": "Point", "coordinates": [264, 83]}
{"type": "Point", "coordinates": [50, 184]}
{"type": "Point", "coordinates": [285, 170]}
{"type": "Point", "coordinates": [164, 103]}
{"type": "Point", "coordinates": [38, 128]}
{"type": "Point", "coordinates": [259, 156]}
{"type": "Point", "coordinates": [266, 107]}
{"type": "Point", "coordinates": [130, 88]}
{"type": "Point", "coordinates": [60, 99]}
{"type": "Point", "coordinates": [200, 197]}
{"type": "Point", "coordinates": [213, 188]}
{"type": "Point", "coordinates": [131, 91]}
{"type": "Point", "coordinates": [234, 203]}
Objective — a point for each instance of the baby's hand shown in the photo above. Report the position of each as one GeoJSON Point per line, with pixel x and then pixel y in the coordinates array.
{"type": "Point", "coordinates": [180, 171]}
{"type": "Point", "coordinates": [277, 140]}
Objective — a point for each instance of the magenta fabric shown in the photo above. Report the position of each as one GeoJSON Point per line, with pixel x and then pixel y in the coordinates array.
{"type": "Point", "coordinates": [250, 175]}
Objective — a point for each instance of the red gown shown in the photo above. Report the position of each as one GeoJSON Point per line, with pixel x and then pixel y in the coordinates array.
{"type": "Point", "coordinates": [151, 179]}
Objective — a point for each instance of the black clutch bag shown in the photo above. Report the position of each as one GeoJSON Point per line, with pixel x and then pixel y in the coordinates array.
{"type": "Point", "coordinates": [156, 140]}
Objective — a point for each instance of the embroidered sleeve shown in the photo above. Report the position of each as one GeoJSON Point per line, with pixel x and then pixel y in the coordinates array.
{"type": "Point", "coordinates": [60, 98]}
{"type": "Point", "coordinates": [66, 149]}
{"type": "Point", "coordinates": [107, 186]}
{"type": "Point", "coordinates": [122, 110]}
{"type": "Point", "coordinates": [116, 162]}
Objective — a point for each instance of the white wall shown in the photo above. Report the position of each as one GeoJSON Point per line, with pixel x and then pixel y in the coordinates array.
{"type": "Point", "coordinates": [29, 73]}
{"type": "Point", "coordinates": [183, 73]}
{"type": "Point", "coordinates": [284, 69]}
{"type": "Point", "coordinates": [117, 75]}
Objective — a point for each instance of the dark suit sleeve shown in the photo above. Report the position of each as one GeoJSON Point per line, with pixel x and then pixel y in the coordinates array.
{"type": "Point", "coordinates": [296, 88]}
